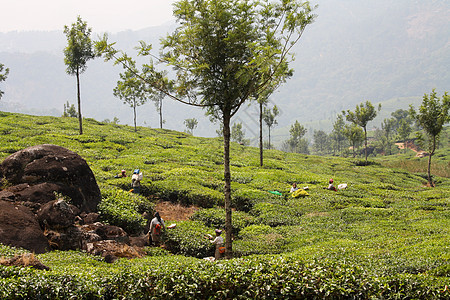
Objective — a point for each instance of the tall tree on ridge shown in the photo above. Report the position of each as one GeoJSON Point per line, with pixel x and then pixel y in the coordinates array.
{"type": "Point", "coordinates": [296, 143]}
{"type": "Point", "coordinates": [224, 52]}
{"type": "Point", "coordinates": [337, 134]}
{"type": "Point", "coordinates": [354, 134]}
{"type": "Point", "coordinates": [403, 132]}
{"type": "Point", "coordinates": [3, 75]}
{"type": "Point", "coordinates": [131, 90]}
{"type": "Point", "coordinates": [191, 124]}
{"type": "Point", "coordinates": [78, 51]}
{"type": "Point", "coordinates": [269, 116]}
{"type": "Point", "coordinates": [388, 127]}
{"type": "Point", "coordinates": [432, 116]}
{"type": "Point", "coordinates": [363, 113]}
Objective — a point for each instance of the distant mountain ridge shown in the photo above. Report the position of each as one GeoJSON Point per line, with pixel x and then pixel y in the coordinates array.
{"type": "Point", "coordinates": [355, 51]}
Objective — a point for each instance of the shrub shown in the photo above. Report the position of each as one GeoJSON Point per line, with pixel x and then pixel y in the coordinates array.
{"type": "Point", "coordinates": [244, 198]}
{"type": "Point", "coordinates": [186, 193]}
{"type": "Point", "coordinates": [215, 218]}
{"type": "Point", "coordinates": [124, 209]}
{"type": "Point", "coordinates": [275, 214]}
{"type": "Point", "coordinates": [189, 238]}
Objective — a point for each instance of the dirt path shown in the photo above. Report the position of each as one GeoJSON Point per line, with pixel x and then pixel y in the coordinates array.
{"type": "Point", "coordinates": [174, 212]}
{"type": "Point", "coordinates": [413, 147]}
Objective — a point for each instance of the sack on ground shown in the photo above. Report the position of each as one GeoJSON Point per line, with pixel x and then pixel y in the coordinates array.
{"type": "Point", "coordinates": [300, 193]}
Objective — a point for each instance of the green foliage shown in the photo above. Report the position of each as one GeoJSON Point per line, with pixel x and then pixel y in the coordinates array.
{"type": "Point", "coordinates": [296, 143]}
{"type": "Point", "coordinates": [238, 134]}
{"type": "Point", "coordinates": [432, 116]}
{"type": "Point", "coordinates": [131, 90]}
{"type": "Point", "coordinates": [189, 238]}
{"type": "Point", "coordinates": [385, 235]}
{"type": "Point", "coordinates": [176, 277]}
{"type": "Point", "coordinates": [124, 209]}
{"type": "Point", "coordinates": [69, 110]}
{"type": "Point", "coordinates": [191, 124]}
{"type": "Point", "coordinates": [363, 114]}
{"type": "Point", "coordinates": [3, 75]}
{"type": "Point", "coordinates": [79, 48]}
{"type": "Point", "coordinates": [180, 190]}
{"type": "Point", "coordinates": [215, 218]}
{"type": "Point", "coordinates": [275, 214]}
{"type": "Point", "coordinates": [245, 198]}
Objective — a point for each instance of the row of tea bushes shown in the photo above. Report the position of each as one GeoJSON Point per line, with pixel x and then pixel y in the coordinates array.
{"type": "Point", "coordinates": [176, 277]}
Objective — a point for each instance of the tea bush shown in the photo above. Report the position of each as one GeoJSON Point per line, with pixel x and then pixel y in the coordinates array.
{"type": "Point", "coordinates": [256, 277]}
{"type": "Point", "coordinates": [124, 209]}
{"type": "Point", "coordinates": [244, 198]}
{"type": "Point", "coordinates": [275, 214]}
{"type": "Point", "coordinates": [189, 238]}
{"type": "Point", "coordinates": [186, 193]}
{"type": "Point", "coordinates": [215, 218]}
{"type": "Point", "coordinates": [385, 236]}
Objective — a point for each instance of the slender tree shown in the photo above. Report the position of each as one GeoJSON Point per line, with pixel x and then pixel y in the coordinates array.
{"type": "Point", "coordinates": [403, 131]}
{"type": "Point", "coordinates": [77, 53]}
{"type": "Point", "coordinates": [131, 90]}
{"type": "Point", "coordinates": [238, 134]}
{"type": "Point", "coordinates": [269, 117]}
{"type": "Point", "coordinates": [337, 135]}
{"type": "Point", "coordinates": [321, 142]}
{"type": "Point", "coordinates": [3, 75]}
{"type": "Point", "coordinates": [158, 95]}
{"type": "Point", "coordinates": [363, 113]}
{"type": "Point", "coordinates": [262, 100]}
{"type": "Point", "coordinates": [296, 143]}
{"type": "Point", "coordinates": [388, 127]}
{"type": "Point", "coordinates": [69, 110]}
{"type": "Point", "coordinates": [433, 113]}
{"type": "Point", "coordinates": [355, 135]}
{"type": "Point", "coordinates": [399, 115]}
{"type": "Point", "coordinates": [191, 124]}
{"type": "Point", "coordinates": [158, 100]}
{"type": "Point", "coordinates": [224, 52]}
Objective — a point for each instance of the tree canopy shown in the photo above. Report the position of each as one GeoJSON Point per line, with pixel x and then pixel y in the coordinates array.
{"type": "Point", "coordinates": [223, 53]}
{"type": "Point", "coordinates": [3, 75]}
{"type": "Point", "coordinates": [433, 113]}
{"type": "Point", "coordinates": [131, 90]}
{"type": "Point", "coordinates": [363, 113]}
{"type": "Point", "coordinates": [79, 50]}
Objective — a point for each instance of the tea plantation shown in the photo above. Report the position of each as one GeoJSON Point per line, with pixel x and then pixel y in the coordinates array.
{"type": "Point", "coordinates": [387, 236]}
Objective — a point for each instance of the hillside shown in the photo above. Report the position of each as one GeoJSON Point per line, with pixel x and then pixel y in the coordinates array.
{"type": "Point", "coordinates": [385, 235]}
{"type": "Point", "coordinates": [355, 51]}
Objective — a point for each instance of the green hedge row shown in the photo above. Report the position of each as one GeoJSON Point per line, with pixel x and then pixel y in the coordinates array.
{"type": "Point", "coordinates": [269, 277]}
{"type": "Point", "coordinates": [215, 218]}
{"type": "Point", "coordinates": [124, 209]}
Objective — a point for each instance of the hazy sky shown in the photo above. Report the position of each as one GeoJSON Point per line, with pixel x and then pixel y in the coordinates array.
{"type": "Point", "coordinates": [101, 15]}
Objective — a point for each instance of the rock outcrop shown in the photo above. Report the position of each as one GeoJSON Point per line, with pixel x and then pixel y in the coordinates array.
{"type": "Point", "coordinates": [19, 228]}
{"type": "Point", "coordinates": [49, 201]}
{"type": "Point", "coordinates": [37, 173]}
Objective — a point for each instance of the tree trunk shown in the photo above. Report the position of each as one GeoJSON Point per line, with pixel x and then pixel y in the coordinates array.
{"type": "Point", "coordinates": [260, 134]}
{"type": "Point", "coordinates": [227, 190]}
{"type": "Point", "coordinates": [365, 143]}
{"type": "Point", "coordinates": [430, 182]}
{"type": "Point", "coordinates": [134, 114]}
{"type": "Point", "coordinates": [80, 119]}
{"type": "Point", "coordinates": [160, 114]}
{"type": "Point", "coordinates": [269, 138]}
